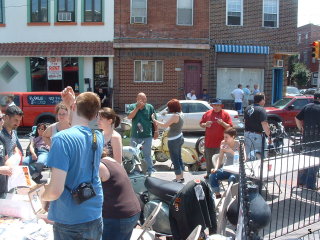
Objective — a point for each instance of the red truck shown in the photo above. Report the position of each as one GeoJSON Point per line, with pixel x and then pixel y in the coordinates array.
{"type": "Point", "coordinates": [286, 109]}
{"type": "Point", "coordinates": [36, 106]}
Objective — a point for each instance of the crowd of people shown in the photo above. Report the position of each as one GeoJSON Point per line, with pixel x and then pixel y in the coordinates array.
{"type": "Point", "coordinates": [89, 194]}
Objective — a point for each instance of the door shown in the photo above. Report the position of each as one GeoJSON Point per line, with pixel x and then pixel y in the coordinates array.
{"type": "Point", "coordinates": [292, 110]}
{"type": "Point", "coordinates": [192, 77]}
{"type": "Point", "coordinates": [277, 84]}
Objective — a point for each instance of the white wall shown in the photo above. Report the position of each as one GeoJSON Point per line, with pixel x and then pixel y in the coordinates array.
{"type": "Point", "coordinates": [19, 82]}
{"type": "Point", "coordinates": [88, 71]}
{"type": "Point", "coordinates": [16, 29]}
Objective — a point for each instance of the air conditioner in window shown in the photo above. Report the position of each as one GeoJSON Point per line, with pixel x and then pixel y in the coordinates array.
{"type": "Point", "coordinates": [138, 19]}
{"type": "Point", "coordinates": [64, 16]}
{"type": "Point", "coordinates": [279, 63]}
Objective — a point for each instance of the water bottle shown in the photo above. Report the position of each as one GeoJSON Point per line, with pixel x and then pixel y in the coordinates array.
{"type": "Point", "coordinates": [236, 157]}
{"type": "Point", "coordinates": [139, 125]}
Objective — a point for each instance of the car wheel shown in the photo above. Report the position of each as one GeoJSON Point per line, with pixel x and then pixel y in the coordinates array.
{"type": "Point", "coordinates": [200, 146]}
{"type": "Point", "coordinates": [274, 127]}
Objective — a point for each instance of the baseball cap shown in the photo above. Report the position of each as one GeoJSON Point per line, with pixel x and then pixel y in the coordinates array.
{"type": "Point", "coordinates": [215, 101]}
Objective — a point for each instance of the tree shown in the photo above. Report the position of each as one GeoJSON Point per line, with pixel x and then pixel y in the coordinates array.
{"type": "Point", "coordinates": [300, 74]}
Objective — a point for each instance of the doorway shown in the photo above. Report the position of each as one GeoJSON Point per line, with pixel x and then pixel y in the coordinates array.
{"type": "Point", "coordinates": [192, 77]}
{"type": "Point", "coordinates": [277, 84]}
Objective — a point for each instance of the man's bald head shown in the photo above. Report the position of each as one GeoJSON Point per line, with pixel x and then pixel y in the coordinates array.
{"type": "Point", "coordinates": [142, 97]}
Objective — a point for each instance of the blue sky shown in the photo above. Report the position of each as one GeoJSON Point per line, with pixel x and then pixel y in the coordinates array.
{"type": "Point", "coordinates": [308, 12]}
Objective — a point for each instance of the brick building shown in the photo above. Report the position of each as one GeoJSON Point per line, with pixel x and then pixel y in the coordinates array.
{"type": "Point", "coordinates": [161, 48]}
{"type": "Point", "coordinates": [306, 35]}
{"type": "Point", "coordinates": [250, 44]}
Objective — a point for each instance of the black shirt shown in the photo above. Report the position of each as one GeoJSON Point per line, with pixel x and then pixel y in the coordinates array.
{"type": "Point", "coordinates": [3, 178]}
{"type": "Point", "coordinates": [310, 115]}
{"type": "Point", "coordinates": [253, 116]}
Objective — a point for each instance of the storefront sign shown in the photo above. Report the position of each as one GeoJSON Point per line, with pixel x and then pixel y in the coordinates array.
{"type": "Point", "coordinates": [54, 68]}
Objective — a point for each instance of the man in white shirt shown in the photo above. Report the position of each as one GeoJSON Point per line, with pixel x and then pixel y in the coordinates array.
{"type": "Point", "coordinates": [238, 95]}
{"type": "Point", "coordinates": [192, 95]}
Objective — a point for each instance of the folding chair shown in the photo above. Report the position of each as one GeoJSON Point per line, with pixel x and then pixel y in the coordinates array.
{"type": "Point", "coordinates": [145, 233]}
{"type": "Point", "coordinates": [195, 234]}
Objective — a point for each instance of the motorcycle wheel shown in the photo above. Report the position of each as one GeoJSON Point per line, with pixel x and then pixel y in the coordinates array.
{"type": "Point", "coordinates": [193, 167]}
{"type": "Point", "coordinates": [160, 156]}
{"type": "Point", "coordinates": [274, 127]}
{"type": "Point", "coordinates": [200, 146]}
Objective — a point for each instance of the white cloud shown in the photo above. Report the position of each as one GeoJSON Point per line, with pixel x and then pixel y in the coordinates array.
{"type": "Point", "coordinates": [308, 12]}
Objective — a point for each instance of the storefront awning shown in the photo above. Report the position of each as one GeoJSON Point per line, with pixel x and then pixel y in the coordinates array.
{"type": "Point", "coordinates": [221, 48]}
{"type": "Point", "coordinates": [67, 49]}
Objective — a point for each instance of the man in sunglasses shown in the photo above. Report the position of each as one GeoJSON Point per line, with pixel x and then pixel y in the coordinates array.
{"type": "Point", "coordinates": [5, 171]}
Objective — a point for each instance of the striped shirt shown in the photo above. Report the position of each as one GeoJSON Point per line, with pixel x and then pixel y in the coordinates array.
{"type": "Point", "coordinates": [10, 141]}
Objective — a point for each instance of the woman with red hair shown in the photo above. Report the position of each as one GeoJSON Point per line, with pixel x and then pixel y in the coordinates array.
{"type": "Point", "coordinates": [175, 137]}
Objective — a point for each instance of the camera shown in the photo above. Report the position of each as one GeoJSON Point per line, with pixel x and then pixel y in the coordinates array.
{"type": "Point", "coordinates": [83, 192]}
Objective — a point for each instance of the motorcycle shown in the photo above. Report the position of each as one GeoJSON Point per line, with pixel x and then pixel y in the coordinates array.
{"type": "Point", "coordinates": [191, 157]}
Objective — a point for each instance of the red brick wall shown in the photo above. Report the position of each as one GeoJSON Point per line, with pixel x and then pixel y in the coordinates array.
{"type": "Point", "coordinates": [125, 89]}
{"type": "Point", "coordinates": [161, 23]}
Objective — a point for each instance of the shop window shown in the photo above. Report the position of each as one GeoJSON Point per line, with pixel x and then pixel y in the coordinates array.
{"type": "Point", "coordinates": [1, 12]}
{"type": "Point", "coordinates": [270, 13]}
{"type": "Point", "coordinates": [7, 72]}
{"type": "Point", "coordinates": [234, 12]}
{"type": "Point", "coordinates": [101, 73]}
{"type": "Point", "coordinates": [66, 11]}
{"type": "Point", "coordinates": [39, 10]}
{"type": "Point", "coordinates": [148, 71]}
{"type": "Point", "coordinates": [138, 11]}
{"type": "Point", "coordinates": [92, 11]}
{"type": "Point", "coordinates": [185, 12]}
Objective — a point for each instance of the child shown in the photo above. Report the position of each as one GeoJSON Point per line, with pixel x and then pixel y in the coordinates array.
{"type": "Point", "coordinates": [37, 158]}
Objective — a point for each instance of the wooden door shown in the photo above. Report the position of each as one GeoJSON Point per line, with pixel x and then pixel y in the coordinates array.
{"type": "Point", "coordinates": [192, 77]}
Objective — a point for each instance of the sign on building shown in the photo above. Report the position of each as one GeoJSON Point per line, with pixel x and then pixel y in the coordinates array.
{"type": "Point", "coordinates": [54, 68]}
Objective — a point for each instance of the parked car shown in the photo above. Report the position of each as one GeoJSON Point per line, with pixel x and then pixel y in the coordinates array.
{"type": "Point", "coordinates": [193, 111]}
{"type": "Point", "coordinates": [285, 110]}
{"type": "Point", "coordinates": [36, 106]}
{"type": "Point", "coordinates": [292, 91]}
{"type": "Point", "coordinates": [310, 91]}
{"type": "Point", "coordinates": [302, 91]}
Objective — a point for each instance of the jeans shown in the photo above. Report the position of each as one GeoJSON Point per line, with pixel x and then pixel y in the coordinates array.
{"type": "Point", "coordinates": [36, 166]}
{"type": "Point", "coordinates": [220, 175]}
{"type": "Point", "coordinates": [175, 154]}
{"type": "Point", "coordinates": [83, 231]}
{"type": "Point", "coordinates": [119, 229]}
{"type": "Point", "coordinates": [146, 151]}
{"type": "Point", "coordinates": [208, 153]}
{"type": "Point", "coordinates": [253, 144]}
{"type": "Point", "coordinates": [238, 107]}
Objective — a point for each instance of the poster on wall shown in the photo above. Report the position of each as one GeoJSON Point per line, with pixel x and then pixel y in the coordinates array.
{"type": "Point", "coordinates": [54, 68]}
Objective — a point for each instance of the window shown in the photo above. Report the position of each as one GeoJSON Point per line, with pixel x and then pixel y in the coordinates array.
{"type": "Point", "coordinates": [8, 72]}
{"type": "Point", "coordinates": [300, 103]}
{"type": "Point", "coordinates": [66, 11]}
{"type": "Point", "coordinates": [270, 13]}
{"type": "Point", "coordinates": [1, 12]}
{"type": "Point", "coordinates": [138, 11]}
{"type": "Point", "coordinates": [39, 10]}
{"type": "Point", "coordinates": [185, 12]}
{"type": "Point", "coordinates": [92, 10]}
{"type": "Point", "coordinates": [148, 71]}
{"type": "Point", "coordinates": [299, 38]}
{"type": "Point", "coordinates": [197, 107]}
{"type": "Point", "coordinates": [234, 12]}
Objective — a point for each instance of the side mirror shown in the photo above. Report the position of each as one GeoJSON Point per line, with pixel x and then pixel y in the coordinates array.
{"type": "Point", "coordinates": [291, 107]}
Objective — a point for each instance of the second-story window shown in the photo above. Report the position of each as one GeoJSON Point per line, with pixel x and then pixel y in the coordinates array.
{"type": "Point", "coordinates": [1, 12]}
{"type": "Point", "coordinates": [138, 11]}
{"type": "Point", "coordinates": [66, 12]}
{"type": "Point", "coordinates": [93, 11]}
{"type": "Point", "coordinates": [270, 13]}
{"type": "Point", "coordinates": [185, 12]}
{"type": "Point", "coordinates": [234, 12]}
{"type": "Point", "coordinates": [39, 10]}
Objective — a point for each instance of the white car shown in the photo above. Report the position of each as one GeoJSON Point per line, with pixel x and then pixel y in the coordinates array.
{"type": "Point", "coordinates": [193, 111]}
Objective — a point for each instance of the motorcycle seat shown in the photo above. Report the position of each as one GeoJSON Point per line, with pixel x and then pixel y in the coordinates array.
{"type": "Point", "coordinates": [163, 189]}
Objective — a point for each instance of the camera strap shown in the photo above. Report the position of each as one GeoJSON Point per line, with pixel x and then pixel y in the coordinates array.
{"type": "Point", "coordinates": [94, 147]}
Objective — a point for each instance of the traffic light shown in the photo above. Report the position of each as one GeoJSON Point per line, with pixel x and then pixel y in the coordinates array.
{"type": "Point", "coordinates": [316, 49]}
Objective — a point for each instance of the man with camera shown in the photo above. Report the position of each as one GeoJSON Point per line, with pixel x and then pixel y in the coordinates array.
{"type": "Point", "coordinates": [75, 190]}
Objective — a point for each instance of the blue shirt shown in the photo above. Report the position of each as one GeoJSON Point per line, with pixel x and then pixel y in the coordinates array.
{"type": "Point", "coordinates": [71, 151]}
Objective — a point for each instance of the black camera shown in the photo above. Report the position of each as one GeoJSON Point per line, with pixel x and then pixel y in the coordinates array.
{"type": "Point", "coordinates": [83, 192]}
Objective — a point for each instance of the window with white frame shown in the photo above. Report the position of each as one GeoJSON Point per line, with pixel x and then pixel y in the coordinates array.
{"type": "Point", "coordinates": [185, 12]}
{"type": "Point", "coordinates": [66, 11]}
{"type": "Point", "coordinates": [234, 12]}
{"type": "Point", "coordinates": [148, 71]}
{"type": "Point", "coordinates": [271, 13]}
{"type": "Point", "coordinates": [93, 10]}
{"type": "Point", "coordinates": [138, 11]}
{"type": "Point", "coordinates": [1, 12]}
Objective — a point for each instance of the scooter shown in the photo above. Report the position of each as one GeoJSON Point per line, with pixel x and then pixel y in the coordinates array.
{"type": "Point", "coordinates": [190, 157]}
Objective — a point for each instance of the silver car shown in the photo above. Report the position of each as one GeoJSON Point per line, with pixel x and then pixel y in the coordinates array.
{"type": "Point", "coordinates": [193, 111]}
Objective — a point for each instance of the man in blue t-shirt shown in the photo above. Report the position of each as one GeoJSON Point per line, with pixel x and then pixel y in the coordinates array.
{"type": "Point", "coordinates": [73, 161]}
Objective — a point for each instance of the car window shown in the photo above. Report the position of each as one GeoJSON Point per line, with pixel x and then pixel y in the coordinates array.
{"type": "Point", "coordinates": [300, 103]}
{"type": "Point", "coordinates": [197, 107]}
{"type": "Point", "coordinates": [184, 107]}
{"type": "Point", "coordinates": [293, 90]}
{"type": "Point", "coordinates": [43, 99]}
{"type": "Point", "coordinates": [281, 103]}
{"type": "Point", "coordinates": [16, 100]}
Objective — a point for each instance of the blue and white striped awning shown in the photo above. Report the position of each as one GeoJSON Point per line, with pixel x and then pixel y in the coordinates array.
{"type": "Point", "coordinates": [241, 49]}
